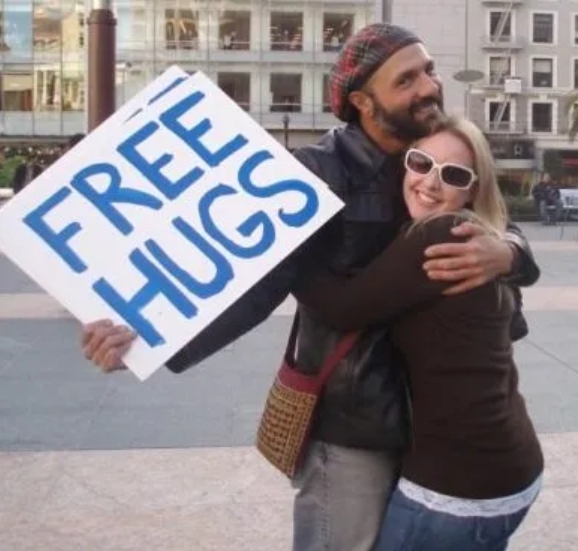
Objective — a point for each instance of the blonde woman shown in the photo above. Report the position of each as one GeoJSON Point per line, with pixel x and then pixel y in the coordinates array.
{"type": "Point", "coordinates": [475, 465]}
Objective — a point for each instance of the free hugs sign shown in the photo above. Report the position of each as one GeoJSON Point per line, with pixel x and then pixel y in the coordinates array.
{"type": "Point", "coordinates": [164, 216]}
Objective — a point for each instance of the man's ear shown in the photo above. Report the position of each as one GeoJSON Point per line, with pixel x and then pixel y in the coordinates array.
{"type": "Point", "coordinates": [362, 102]}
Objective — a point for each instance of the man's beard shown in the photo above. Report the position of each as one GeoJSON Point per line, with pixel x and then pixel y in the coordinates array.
{"type": "Point", "coordinates": [403, 124]}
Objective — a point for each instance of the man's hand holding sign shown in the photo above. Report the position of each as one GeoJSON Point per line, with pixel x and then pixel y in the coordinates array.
{"type": "Point", "coordinates": [105, 344]}
{"type": "Point", "coordinates": [165, 226]}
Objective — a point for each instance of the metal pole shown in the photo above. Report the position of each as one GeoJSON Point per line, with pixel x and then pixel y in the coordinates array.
{"type": "Point", "coordinates": [101, 63]}
{"type": "Point", "coordinates": [386, 10]}
{"type": "Point", "coordinates": [286, 120]}
{"type": "Point", "coordinates": [467, 99]}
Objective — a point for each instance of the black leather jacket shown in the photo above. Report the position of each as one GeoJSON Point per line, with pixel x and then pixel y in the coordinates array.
{"type": "Point", "coordinates": [364, 404]}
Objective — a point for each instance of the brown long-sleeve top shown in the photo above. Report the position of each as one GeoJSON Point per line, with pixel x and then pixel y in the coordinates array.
{"type": "Point", "coordinates": [472, 436]}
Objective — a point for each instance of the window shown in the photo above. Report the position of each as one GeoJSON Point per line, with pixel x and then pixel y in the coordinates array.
{"type": "Point", "coordinates": [235, 30]}
{"type": "Point", "coordinates": [237, 86]}
{"type": "Point", "coordinates": [542, 72]}
{"type": "Point", "coordinates": [543, 28]}
{"type": "Point", "coordinates": [181, 29]}
{"type": "Point", "coordinates": [542, 117]}
{"type": "Point", "coordinates": [3, 45]}
{"type": "Point", "coordinates": [17, 92]}
{"type": "Point", "coordinates": [337, 28]}
{"type": "Point", "coordinates": [81, 30]}
{"type": "Point", "coordinates": [499, 116]}
{"type": "Point", "coordinates": [48, 91]}
{"type": "Point", "coordinates": [47, 30]}
{"type": "Point", "coordinates": [575, 30]}
{"type": "Point", "coordinates": [575, 75]}
{"type": "Point", "coordinates": [17, 29]}
{"type": "Point", "coordinates": [73, 86]}
{"type": "Point", "coordinates": [285, 92]}
{"type": "Point", "coordinates": [73, 33]}
{"type": "Point", "coordinates": [500, 69]}
{"type": "Point", "coordinates": [326, 102]}
{"type": "Point", "coordinates": [501, 26]}
{"type": "Point", "coordinates": [287, 31]}
{"type": "Point", "coordinates": [574, 114]}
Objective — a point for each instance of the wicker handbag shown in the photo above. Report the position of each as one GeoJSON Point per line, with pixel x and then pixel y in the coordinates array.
{"type": "Point", "coordinates": [286, 421]}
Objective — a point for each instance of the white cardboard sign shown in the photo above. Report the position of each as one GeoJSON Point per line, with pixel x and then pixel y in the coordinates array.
{"type": "Point", "coordinates": [164, 216]}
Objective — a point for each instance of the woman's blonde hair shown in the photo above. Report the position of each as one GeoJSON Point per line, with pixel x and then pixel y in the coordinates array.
{"type": "Point", "coordinates": [488, 206]}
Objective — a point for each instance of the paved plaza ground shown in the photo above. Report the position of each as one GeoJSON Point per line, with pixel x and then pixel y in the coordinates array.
{"type": "Point", "coordinates": [90, 462]}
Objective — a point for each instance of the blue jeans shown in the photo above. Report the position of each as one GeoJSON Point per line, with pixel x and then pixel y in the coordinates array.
{"type": "Point", "coordinates": [342, 497]}
{"type": "Point", "coordinates": [410, 526]}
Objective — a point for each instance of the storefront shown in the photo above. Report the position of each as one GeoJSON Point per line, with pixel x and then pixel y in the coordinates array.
{"type": "Point", "coordinates": [562, 164]}
{"type": "Point", "coordinates": [516, 164]}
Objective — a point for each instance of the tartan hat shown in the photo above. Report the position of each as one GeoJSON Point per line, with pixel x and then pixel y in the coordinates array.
{"type": "Point", "coordinates": [363, 54]}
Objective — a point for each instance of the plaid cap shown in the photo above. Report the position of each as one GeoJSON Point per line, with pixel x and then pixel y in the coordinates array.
{"type": "Point", "coordinates": [364, 53]}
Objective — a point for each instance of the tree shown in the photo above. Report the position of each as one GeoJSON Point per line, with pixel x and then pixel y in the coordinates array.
{"type": "Point", "coordinates": [7, 170]}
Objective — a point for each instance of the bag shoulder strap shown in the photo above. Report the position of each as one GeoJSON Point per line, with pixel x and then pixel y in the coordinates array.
{"type": "Point", "coordinates": [292, 340]}
{"type": "Point", "coordinates": [343, 347]}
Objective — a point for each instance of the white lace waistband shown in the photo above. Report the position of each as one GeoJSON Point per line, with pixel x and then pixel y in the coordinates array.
{"type": "Point", "coordinates": [460, 507]}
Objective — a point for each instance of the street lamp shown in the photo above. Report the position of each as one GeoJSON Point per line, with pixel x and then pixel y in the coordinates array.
{"type": "Point", "coordinates": [286, 121]}
{"type": "Point", "coordinates": [101, 63]}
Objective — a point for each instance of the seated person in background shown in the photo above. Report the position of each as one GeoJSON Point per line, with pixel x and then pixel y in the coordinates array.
{"type": "Point", "coordinates": [547, 200]}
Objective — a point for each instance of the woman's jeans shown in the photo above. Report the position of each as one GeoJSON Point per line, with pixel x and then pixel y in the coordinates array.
{"type": "Point", "coordinates": [341, 498]}
{"type": "Point", "coordinates": [411, 526]}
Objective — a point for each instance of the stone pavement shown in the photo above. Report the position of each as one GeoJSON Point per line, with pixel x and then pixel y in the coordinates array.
{"type": "Point", "coordinates": [102, 463]}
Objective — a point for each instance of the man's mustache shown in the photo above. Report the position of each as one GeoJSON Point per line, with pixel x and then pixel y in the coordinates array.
{"type": "Point", "coordinates": [426, 102]}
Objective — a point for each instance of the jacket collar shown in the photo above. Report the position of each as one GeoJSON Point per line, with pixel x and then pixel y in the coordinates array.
{"type": "Point", "coordinates": [361, 155]}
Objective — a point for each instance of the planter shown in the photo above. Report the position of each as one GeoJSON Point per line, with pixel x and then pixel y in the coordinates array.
{"type": "Point", "coordinates": [521, 209]}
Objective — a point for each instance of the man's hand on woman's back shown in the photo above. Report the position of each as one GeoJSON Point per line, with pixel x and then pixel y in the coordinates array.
{"type": "Point", "coordinates": [472, 263]}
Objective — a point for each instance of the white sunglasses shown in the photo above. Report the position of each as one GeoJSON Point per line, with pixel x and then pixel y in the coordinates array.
{"type": "Point", "coordinates": [450, 174]}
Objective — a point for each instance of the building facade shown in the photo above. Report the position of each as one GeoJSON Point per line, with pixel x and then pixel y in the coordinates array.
{"type": "Point", "coordinates": [527, 51]}
{"type": "Point", "coordinates": [41, 67]}
{"type": "Point", "coordinates": [271, 56]}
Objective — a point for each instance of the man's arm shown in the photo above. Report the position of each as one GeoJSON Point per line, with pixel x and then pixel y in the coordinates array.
{"type": "Point", "coordinates": [250, 310]}
{"type": "Point", "coordinates": [482, 258]}
{"type": "Point", "coordinates": [524, 271]}
{"type": "Point", "coordinates": [105, 344]}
